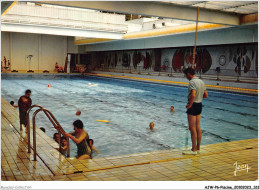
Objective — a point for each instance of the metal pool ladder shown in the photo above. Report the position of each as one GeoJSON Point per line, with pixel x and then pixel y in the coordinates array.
{"type": "Point", "coordinates": [54, 122]}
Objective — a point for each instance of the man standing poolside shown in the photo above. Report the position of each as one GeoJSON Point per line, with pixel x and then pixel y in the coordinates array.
{"type": "Point", "coordinates": [196, 92]}
{"type": "Point", "coordinates": [24, 104]}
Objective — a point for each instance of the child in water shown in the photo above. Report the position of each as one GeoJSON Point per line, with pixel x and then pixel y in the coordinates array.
{"type": "Point", "coordinates": [91, 143]}
{"type": "Point", "coordinates": [64, 145]}
{"type": "Point", "coordinates": [56, 137]}
{"type": "Point", "coordinates": [12, 103]}
{"type": "Point", "coordinates": [172, 109]}
{"type": "Point", "coordinates": [151, 125]}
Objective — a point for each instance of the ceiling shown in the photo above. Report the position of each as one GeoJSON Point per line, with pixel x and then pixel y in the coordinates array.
{"type": "Point", "coordinates": [217, 12]}
{"type": "Point", "coordinates": [56, 20]}
{"type": "Point", "coordinates": [224, 13]}
{"type": "Point", "coordinates": [239, 7]}
{"type": "Point", "coordinates": [5, 5]}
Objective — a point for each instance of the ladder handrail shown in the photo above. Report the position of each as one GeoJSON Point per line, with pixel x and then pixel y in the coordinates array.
{"type": "Point", "coordinates": [56, 125]}
{"type": "Point", "coordinates": [28, 125]}
{"type": "Point", "coordinates": [59, 129]}
{"type": "Point", "coordinates": [53, 120]}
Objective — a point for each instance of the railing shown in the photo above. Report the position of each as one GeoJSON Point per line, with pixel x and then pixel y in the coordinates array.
{"type": "Point", "coordinates": [52, 119]}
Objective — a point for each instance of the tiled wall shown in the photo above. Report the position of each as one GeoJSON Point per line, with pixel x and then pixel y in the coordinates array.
{"type": "Point", "coordinates": [46, 50]}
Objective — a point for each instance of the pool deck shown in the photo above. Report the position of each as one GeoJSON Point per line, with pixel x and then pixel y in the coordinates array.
{"type": "Point", "coordinates": [216, 162]}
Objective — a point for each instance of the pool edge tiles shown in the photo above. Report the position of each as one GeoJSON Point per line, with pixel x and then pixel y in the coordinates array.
{"type": "Point", "coordinates": [231, 86]}
{"type": "Point", "coordinates": [214, 163]}
{"type": "Point", "coordinates": [231, 89]}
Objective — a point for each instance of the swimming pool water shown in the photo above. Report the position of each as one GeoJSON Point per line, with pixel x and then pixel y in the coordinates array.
{"type": "Point", "coordinates": [130, 106]}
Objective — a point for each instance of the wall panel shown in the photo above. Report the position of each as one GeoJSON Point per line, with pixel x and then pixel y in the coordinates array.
{"type": "Point", "coordinates": [46, 50]}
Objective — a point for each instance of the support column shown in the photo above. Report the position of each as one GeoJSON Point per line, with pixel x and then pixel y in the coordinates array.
{"type": "Point", "coordinates": [10, 49]}
{"type": "Point", "coordinates": [157, 57]}
{"type": "Point", "coordinates": [39, 51]}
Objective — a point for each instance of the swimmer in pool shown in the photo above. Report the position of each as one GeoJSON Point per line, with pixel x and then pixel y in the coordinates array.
{"type": "Point", "coordinates": [172, 109]}
{"type": "Point", "coordinates": [12, 103]}
{"type": "Point", "coordinates": [56, 67]}
{"type": "Point", "coordinates": [91, 143]}
{"type": "Point", "coordinates": [56, 137]}
{"type": "Point", "coordinates": [81, 137]}
{"type": "Point", "coordinates": [151, 125]}
{"type": "Point", "coordinates": [64, 145]}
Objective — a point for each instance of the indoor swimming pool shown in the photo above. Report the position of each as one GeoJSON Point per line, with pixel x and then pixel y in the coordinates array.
{"type": "Point", "coordinates": [130, 106]}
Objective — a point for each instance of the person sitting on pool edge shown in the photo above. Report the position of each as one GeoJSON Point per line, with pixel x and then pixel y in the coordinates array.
{"type": "Point", "coordinates": [81, 137]}
{"type": "Point", "coordinates": [172, 109]}
{"type": "Point", "coordinates": [60, 70]}
{"type": "Point", "coordinates": [56, 67]}
{"type": "Point", "coordinates": [151, 125]}
{"type": "Point", "coordinates": [12, 103]}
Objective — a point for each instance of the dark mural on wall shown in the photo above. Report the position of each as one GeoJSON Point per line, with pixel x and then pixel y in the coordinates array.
{"type": "Point", "coordinates": [146, 59]}
{"type": "Point", "coordinates": [111, 59]}
{"type": "Point", "coordinates": [126, 60]}
{"type": "Point", "coordinates": [137, 58]}
{"type": "Point", "coordinates": [203, 60]}
{"type": "Point", "coordinates": [231, 60]}
{"type": "Point", "coordinates": [242, 59]}
{"type": "Point", "coordinates": [178, 60]}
